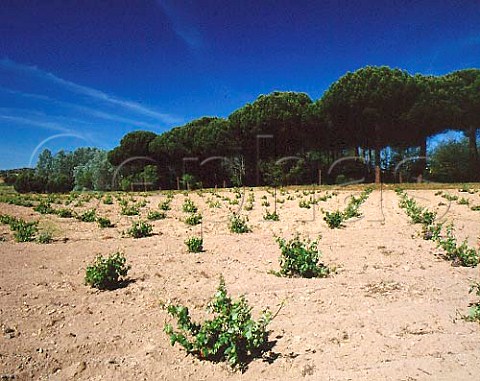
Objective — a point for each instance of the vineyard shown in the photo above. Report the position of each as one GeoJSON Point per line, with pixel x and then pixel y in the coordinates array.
{"type": "Point", "coordinates": [362, 283]}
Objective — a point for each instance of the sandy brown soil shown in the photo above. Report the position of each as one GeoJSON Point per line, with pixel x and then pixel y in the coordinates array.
{"type": "Point", "coordinates": [391, 311]}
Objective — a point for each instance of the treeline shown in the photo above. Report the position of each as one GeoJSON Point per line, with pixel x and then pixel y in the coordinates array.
{"type": "Point", "coordinates": [82, 169]}
{"type": "Point", "coordinates": [377, 116]}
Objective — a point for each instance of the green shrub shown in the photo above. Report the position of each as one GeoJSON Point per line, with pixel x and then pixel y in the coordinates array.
{"type": "Point", "coordinates": [239, 224]}
{"type": "Point", "coordinates": [428, 218]}
{"type": "Point", "coordinates": [44, 207]}
{"type": "Point", "coordinates": [140, 229]}
{"type": "Point", "coordinates": [7, 220]}
{"type": "Point", "coordinates": [463, 201]}
{"type": "Point", "coordinates": [460, 255]}
{"type": "Point", "coordinates": [271, 216]}
{"type": "Point", "coordinates": [165, 205]}
{"type": "Point", "coordinates": [248, 206]}
{"type": "Point", "coordinates": [45, 237]}
{"type": "Point", "coordinates": [108, 199]}
{"type": "Point", "coordinates": [432, 231]}
{"type": "Point", "coordinates": [449, 242]}
{"type": "Point", "coordinates": [304, 204]}
{"type": "Point", "coordinates": [450, 197]}
{"type": "Point", "coordinates": [24, 231]}
{"type": "Point", "coordinates": [475, 208]}
{"type": "Point", "coordinates": [234, 201]}
{"type": "Point", "coordinates": [466, 256]}
{"type": "Point", "coordinates": [105, 273]}
{"type": "Point", "coordinates": [213, 203]}
{"type": "Point", "coordinates": [142, 203]}
{"type": "Point", "coordinates": [189, 206]}
{"type": "Point", "coordinates": [154, 215]}
{"type": "Point", "coordinates": [351, 211]}
{"type": "Point", "coordinates": [333, 219]}
{"type": "Point", "coordinates": [417, 214]}
{"type": "Point", "coordinates": [193, 219]}
{"type": "Point", "coordinates": [325, 197]}
{"type": "Point", "coordinates": [336, 218]}
{"type": "Point", "coordinates": [300, 258]}
{"type": "Point", "coordinates": [474, 312]}
{"type": "Point", "coordinates": [88, 216]}
{"type": "Point", "coordinates": [194, 244]}
{"type": "Point", "coordinates": [232, 335]}
{"type": "Point", "coordinates": [17, 199]}
{"type": "Point", "coordinates": [130, 210]}
{"type": "Point", "coordinates": [104, 222]}
{"type": "Point", "coordinates": [64, 213]}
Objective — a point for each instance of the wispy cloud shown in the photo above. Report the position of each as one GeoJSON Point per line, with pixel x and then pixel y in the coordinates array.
{"type": "Point", "coordinates": [113, 118]}
{"type": "Point", "coordinates": [91, 92]}
{"type": "Point", "coordinates": [35, 123]}
{"type": "Point", "coordinates": [65, 125]}
{"type": "Point", "coordinates": [83, 109]}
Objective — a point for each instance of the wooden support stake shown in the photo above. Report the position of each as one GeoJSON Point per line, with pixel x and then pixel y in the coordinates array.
{"type": "Point", "coordinates": [377, 174]}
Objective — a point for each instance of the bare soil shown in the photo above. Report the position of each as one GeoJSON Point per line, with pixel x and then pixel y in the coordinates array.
{"type": "Point", "coordinates": [391, 311]}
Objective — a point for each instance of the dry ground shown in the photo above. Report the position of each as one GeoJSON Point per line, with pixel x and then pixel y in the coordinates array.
{"type": "Point", "coordinates": [391, 311]}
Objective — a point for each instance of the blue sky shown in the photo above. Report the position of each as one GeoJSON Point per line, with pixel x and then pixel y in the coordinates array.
{"type": "Point", "coordinates": [78, 73]}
